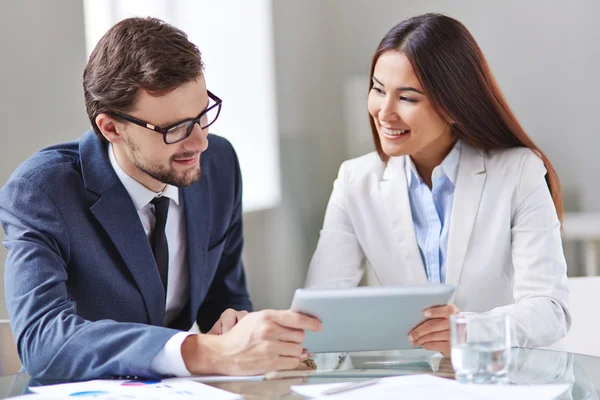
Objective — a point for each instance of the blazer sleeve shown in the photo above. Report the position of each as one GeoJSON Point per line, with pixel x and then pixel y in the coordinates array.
{"type": "Point", "coordinates": [52, 340]}
{"type": "Point", "coordinates": [228, 288]}
{"type": "Point", "coordinates": [339, 260]}
{"type": "Point", "coordinates": [540, 315]}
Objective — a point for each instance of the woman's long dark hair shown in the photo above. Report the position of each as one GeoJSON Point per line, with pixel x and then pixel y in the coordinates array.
{"type": "Point", "coordinates": [457, 80]}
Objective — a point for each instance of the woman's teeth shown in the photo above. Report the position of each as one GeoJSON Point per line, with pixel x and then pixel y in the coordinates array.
{"type": "Point", "coordinates": [394, 132]}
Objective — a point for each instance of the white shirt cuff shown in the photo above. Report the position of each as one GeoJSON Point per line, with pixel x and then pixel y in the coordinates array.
{"type": "Point", "coordinates": [169, 360]}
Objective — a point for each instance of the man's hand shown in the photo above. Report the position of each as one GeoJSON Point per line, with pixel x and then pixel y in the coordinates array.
{"type": "Point", "coordinates": [228, 319]}
{"type": "Point", "coordinates": [434, 333]}
{"type": "Point", "coordinates": [264, 341]}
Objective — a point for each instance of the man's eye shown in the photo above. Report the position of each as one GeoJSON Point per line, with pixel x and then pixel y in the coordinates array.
{"type": "Point", "coordinates": [178, 129]}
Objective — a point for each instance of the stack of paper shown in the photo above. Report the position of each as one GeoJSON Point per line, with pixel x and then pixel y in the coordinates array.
{"type": "Point", "coordinates": [424, 387]}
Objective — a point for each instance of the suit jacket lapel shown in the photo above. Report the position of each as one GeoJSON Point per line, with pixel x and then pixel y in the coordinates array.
{"type": "Point", "coordinates": [470, 182]}
{"type": "Point", "coordinates": [197, 216]}
{"type": "Point", "coordinates": [394, 190]}
{"type": "Point", "coordinates": [114, 210]}
{"type": "Point", "coordinates": [117, 215]}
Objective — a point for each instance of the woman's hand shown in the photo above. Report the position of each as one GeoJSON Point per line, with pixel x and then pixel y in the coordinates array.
{"type": "Point", "coordinates": [434, 333]}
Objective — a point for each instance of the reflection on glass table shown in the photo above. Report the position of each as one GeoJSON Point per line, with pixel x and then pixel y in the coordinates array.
{"type": "Point", "coordinates": [528, 366]}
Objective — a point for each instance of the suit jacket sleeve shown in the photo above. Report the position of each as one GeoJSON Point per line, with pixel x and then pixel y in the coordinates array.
{"type": "Point", "coordinates": [52, 340]}
{"type": "Point", "coordinates": [339, 260]}
{"type": "Point", "coordinates": [228, 288]}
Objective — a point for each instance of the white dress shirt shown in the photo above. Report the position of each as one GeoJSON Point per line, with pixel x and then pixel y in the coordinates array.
{"type": "Point", "coordinates": [169, 360]}
{"type": "Point", "coordinates": [431, 211]}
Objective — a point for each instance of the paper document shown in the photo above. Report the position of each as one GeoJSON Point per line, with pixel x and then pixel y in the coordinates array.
{"type": "Point", "coordinates": [425, 387]}
{"type": "Point", "coordinates": [174, 388]}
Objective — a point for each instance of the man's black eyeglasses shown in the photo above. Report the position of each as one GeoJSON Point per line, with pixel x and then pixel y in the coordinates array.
{"type": "Point", "coordinates": [182, 129]}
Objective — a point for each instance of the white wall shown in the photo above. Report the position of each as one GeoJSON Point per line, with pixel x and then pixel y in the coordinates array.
{"type": "Point", "coordinates": [310, 136]}
{"type": "Point", "coordinates": [42, 49]}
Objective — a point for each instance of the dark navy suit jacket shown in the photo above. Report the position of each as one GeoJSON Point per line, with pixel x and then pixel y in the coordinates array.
{"type": "Point", "coordinates": [83, 292]}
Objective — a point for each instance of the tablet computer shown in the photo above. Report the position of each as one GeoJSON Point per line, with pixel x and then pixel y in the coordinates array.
{"type": "Point", "coordinates": [366, 318]}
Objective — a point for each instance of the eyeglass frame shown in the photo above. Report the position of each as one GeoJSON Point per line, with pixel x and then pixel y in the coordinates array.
{"type": "Point", "coordinates": [164, 131]}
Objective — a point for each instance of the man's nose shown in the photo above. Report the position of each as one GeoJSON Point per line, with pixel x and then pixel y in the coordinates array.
{"type": "Point", "coordinates": [198, 139]}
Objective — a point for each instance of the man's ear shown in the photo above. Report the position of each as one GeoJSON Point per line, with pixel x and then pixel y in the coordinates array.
{"type": "Point", "coordinates": [109, 127]}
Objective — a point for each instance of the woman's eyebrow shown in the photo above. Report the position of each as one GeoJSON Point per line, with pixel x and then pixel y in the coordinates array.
{"type": "Point", "coordinates": [401, 88]}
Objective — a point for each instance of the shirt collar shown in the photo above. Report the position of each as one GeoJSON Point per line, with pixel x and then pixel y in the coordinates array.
{"type": "Point", "coordinates": [140, 195]}
{"type": "Point", "coordinates": [448, 167]}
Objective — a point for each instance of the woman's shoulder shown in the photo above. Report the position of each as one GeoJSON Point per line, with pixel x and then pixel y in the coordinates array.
{"type": "Point", "coordinates": [362, 168]}
{"type": "Point", "coordinates": [518, 168]}
{"type": "Point", "coordinates": [515, 160]}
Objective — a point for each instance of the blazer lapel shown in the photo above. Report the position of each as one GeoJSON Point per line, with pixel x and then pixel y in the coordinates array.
{"type": "Point", "coordinates": [115, 211]}
{"type": "Point", "coordinates": [197, 216]}
{"type": "Point", "coordinates": [117, 215]}
{"type": "Point", "coordinates": [467, 196]}
{"type": "Point", "coordinates": [394, 191]}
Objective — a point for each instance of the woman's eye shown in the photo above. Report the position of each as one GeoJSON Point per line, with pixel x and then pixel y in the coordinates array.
{"type": "Point", "coordinates": [378, 90]}
{"type": "Point", "coordinates": [408, 99]}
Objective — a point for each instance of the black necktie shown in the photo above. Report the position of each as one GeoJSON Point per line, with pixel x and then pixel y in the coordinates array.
{"type": "Point", "coordinates": [158, 240]}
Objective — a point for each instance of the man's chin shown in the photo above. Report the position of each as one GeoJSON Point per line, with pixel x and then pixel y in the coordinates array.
{"type": "Point", "coordinates": [180, 180]}
{"type": "Point", "coordinates": [188, 180]}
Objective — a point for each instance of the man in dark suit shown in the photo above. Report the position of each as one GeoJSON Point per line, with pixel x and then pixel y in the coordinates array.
{"type": "Point", "coordinates": [119, 241]}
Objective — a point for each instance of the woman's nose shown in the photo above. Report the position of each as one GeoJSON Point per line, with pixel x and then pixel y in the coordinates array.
{"type": "Point", "coordinates": [388, 112]}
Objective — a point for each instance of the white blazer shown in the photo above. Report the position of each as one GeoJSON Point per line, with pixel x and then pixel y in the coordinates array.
{"type": "Point", "coordinates": [504, 248]}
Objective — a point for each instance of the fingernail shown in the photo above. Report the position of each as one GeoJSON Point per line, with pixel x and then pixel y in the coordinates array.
{"type": "Point", "coordinates": [410, 337]}
{"type": "Point", "coordinates": [428, 313]}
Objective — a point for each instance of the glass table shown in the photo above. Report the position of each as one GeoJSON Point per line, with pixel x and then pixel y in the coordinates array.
{"type": "Point", "coordinates": [528, 366]}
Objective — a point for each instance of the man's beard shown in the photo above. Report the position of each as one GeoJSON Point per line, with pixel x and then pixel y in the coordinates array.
{"type": "Point", "coordinates": [163, 173]}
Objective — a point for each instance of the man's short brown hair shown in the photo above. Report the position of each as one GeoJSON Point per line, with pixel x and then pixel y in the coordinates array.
{"type": "Point", "coordinates": [137, 53]}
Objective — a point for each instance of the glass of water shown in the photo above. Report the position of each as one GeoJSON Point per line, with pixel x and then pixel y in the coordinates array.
{"type": "Point", "coordinates": [480, 347]}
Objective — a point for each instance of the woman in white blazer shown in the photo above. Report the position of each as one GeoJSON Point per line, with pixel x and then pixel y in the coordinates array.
{"type": "Point", "coordinates": [456, 192]}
